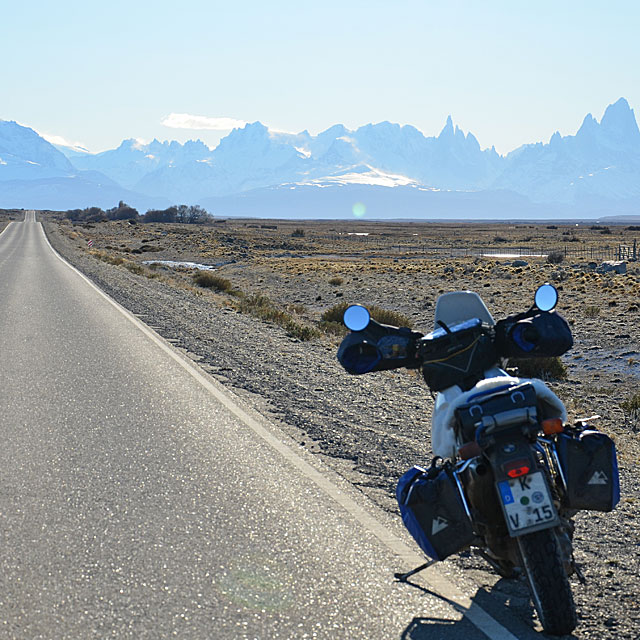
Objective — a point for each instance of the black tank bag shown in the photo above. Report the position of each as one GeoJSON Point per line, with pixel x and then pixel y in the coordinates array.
{"type": "Point", "coordinates": [457, 355]}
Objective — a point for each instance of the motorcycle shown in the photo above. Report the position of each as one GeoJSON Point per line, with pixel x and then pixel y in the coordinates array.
{"type": "Point", "coordinates": [509, 472]}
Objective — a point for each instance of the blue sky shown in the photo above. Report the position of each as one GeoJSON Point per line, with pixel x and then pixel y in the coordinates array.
{"type": "Point", "coordinates": [510, 72]}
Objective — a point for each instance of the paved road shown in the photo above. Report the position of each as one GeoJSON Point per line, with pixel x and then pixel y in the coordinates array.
{"type": "Point", "coordinates": [136, 501]}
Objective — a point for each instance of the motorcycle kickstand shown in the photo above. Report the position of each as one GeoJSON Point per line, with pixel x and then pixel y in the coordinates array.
{"type": "Point", "coordinates": [402, 577]}
{"type": "Point", "coordinates": [578, 571]}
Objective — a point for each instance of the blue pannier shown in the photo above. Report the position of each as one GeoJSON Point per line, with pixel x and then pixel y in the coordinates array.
{"type": "Point", "coordinates": [590, 468]}
{"type": "Point", "coordinates": [433, 512]}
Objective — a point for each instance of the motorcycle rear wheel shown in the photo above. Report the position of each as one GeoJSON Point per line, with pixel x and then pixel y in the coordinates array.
{"type": "Point", "coordinates": [550, 589]}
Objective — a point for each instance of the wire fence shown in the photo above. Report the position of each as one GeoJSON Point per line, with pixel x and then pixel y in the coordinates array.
{"type": "Point", "coordinates": [386, 245]}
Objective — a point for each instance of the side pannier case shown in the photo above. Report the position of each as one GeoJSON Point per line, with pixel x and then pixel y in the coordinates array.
{"type": "Point", "coordinates": [433, 512]}
{"type": "Point", "coordinates": [590, 468]}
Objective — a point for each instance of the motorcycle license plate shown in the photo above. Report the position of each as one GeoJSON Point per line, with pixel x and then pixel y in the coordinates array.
{"type": "Point", "coordinates": [527, 504]}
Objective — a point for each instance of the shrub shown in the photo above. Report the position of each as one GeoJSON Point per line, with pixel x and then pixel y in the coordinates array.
{"type": "Point", "coordinates": [91, 214]}
{"type": "Point", "coordinates": [208, 280]}
{"type": "Point", "coordinates": [555, 257]}
{"type": "Point", "coordinates": [592, 311]}
{"type": "Point", "coordinates": [333, 328]}
{"type": "Point", "coordinates": [336, 281]}
{"type": "Point", "coordinates": [384, 316]}
{"type": "Point", "coordinates": [261, 307]}
{"type": "Point", "coordinates": [160, 215]}
{"type": "Point", "coordinates": [631, 406]}
{"type": "Point", "coordinates": [182, 214]}
{"type": "Point", "coordinates": [298, 233]}
{"type": "Point", "coordinates": [122, 212]}
{"type": "Point", "coordinates": [542, 368]}
{"type": "Point", "coordinates": [106, 257]}
{"type": "Point", "coordinates": [134, 267]}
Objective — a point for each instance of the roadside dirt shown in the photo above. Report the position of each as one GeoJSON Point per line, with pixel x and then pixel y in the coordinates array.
{"type": "Point", "coordinates": [371, 429]}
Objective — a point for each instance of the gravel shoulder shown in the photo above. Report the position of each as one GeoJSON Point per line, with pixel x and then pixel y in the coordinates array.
{"type": "Point", "coordinates": [371, 429]}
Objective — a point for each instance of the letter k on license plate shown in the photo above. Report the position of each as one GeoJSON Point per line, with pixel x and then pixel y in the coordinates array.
{"type": "Point", "coordinates": [527, 504]}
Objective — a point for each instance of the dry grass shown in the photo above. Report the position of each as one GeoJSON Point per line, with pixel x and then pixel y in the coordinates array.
{"type": "Point", "coordinates": [208, 280]}
{"type": "Point", "coordinates": [631, 407]}
{"type": "Point", "coordinates": [260, 306]}
{"type": "Point", "coordinates": [334, 315]}
{"type": "Point", "coordinates": [542, 368]}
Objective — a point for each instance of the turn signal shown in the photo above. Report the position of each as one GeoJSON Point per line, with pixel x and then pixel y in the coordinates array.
{"type": "Point", "coordinates": [516, 468]}
{"type": "Point", "coordinates": [551, 426]}
{"type": "Point", "coordinates": [469, 450]}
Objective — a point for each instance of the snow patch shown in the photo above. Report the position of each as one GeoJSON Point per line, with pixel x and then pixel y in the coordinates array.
{"type": "Point", "coordinates": [303, 152]}
{"type": "Point", "coordinates": [373, 177]}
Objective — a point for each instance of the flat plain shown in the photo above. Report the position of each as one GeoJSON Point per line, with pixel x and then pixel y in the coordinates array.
{"type": "Point", "coordinates": [258, 328]}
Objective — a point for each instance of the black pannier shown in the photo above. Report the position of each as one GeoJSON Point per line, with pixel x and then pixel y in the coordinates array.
{"type": "Point", "coordinates": [457, 355]}
{"type": "Point", "coordinates": [433, 512]}
{"type": "Point", "coordinates": [496, 408]}
{"type": "Point", "coordinates": [590, 468]}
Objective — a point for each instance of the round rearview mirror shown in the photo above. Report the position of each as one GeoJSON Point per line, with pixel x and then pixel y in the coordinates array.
{"type": "Point", "coordinates": [356, 317]}
{"type": "Point", "coordinates": [546, 297]}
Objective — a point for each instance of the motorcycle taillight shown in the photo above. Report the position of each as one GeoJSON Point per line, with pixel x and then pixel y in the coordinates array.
{"type": "Point", "coordinates": [516, 468]}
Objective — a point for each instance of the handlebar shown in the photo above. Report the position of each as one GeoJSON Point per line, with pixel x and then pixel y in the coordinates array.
{"type": "Point", "coordinates": [531, 334]}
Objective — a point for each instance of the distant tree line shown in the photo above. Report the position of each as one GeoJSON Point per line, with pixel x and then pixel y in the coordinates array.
{"type": "Point", "coordinates": [185, 214]}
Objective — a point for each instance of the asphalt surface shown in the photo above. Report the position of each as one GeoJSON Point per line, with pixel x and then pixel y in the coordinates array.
{"type": "Point", "coordinates": [135, 501]}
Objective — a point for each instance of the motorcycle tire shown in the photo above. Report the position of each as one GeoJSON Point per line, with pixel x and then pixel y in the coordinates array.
{"type": "Point", "coordinates": [551, 593]}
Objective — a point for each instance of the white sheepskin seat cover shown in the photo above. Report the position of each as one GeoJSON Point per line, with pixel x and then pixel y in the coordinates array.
{"type": "Point", "coordinates": [443, 440]}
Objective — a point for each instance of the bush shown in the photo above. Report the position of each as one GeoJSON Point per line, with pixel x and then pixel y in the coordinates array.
{"type": "Point", "coordinates": [122, 212]}
{"type": "Point", "coordinates": [384, 316]}
{"type": "Point", "coordinates": [261, 307]}
{"type": "Point", "coordinates": [160, 215]}
{"type": "Point", "coordinates": [592, 311]}
{"type": "Point", "coordinates": [555, 257]}
{"type": "Point", "coordinates": [631, 406]}
{"type": "Point", "coordinates": [208, 280]}
{"type": "Point", "coordinates": [333, 328]}
{"type": "Point", "coordinates": [181, 214]}
{"type": "Point", "coordinates": [90, 214]}
{"type": "Point", "coordinates": [542, 368]}
{"type": "Point", "coordinates": [336, 281]}
{"type": "Point", "coordinates": [107, 257]}
{"type": "Point", "coordinates": [298, 233]}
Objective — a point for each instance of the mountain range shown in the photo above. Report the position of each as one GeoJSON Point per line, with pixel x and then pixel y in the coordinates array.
{"type": "Point", "coordinates": [394, 171]}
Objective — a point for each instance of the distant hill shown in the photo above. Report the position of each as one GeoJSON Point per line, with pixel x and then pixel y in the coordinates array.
{"type": "Point", "coordinates": [396, 171]}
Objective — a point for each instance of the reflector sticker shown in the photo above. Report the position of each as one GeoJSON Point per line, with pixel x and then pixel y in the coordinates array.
{"type": "Point", "coordinates": [599, 477]}
{"type": "Point", "coordinates": [439, 523]}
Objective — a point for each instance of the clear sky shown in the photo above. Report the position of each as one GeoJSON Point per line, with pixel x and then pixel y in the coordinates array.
{"type": "Point", "coordinates": [509, 71]}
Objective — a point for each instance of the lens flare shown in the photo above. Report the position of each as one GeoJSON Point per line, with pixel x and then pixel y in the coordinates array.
{"type": "Point", "coordinates": [359, 209]}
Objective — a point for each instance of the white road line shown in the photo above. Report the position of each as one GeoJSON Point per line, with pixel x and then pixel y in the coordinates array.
{"type": "Point", "coordinates": [437, 582]}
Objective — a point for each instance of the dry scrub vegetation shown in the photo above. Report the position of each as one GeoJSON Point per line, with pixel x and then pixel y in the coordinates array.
{"type": "Point", "coordinates": [302, 275]}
